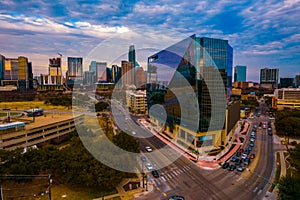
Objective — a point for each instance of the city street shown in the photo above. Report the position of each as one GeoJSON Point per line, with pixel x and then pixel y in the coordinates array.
{"type": "Point", "coordinates": [184, 177]}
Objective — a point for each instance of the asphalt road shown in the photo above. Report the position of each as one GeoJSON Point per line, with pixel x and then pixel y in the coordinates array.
{"type": "Point", "coordinates": [183, 177]}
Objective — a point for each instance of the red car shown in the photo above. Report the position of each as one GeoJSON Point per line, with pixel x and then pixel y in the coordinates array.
{"type": "Point", "coordinates": [241, 150]}
{"type": "Point", "coordinates": [252, 156]}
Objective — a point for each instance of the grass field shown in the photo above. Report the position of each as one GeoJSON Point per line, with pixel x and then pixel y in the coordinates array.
{"type": "Point", "coordinates": [14, 190]}
{"type": "Point", "coordinates": [74, 193]}
{"type": "Point", "coordinates": [4, 113]}
{"type": "Point", "coordinates": [29, 105]}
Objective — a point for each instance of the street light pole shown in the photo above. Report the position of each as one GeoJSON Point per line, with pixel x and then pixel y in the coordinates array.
{"type": "Point", "coordinates": [276, 185]}
{"type": "Point", "coordinates": [143, 174]}
{"type": "Point", "coordinates": [146, 183]}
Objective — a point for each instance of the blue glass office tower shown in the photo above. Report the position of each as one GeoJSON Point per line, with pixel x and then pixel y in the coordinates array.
{"type": "Point", "coordinates": [203, 64]}
{"type": "Point", "coordinates": [2, 62]}
{"type": "Point", "coordinates": [240, 73]}
{"type": "Point", "coordinates": [131, 55]}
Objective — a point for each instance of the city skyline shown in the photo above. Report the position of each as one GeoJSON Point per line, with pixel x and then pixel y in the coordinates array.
{"type": "Point", "coordinates": [263, 34]}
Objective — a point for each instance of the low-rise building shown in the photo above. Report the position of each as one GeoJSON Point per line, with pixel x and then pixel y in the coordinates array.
{"type": "Point", "coordinates": [43, 130]}
{"type": "Point", "coordinates": [286, 97]}
{"type": "Point", "coordinates": [136, 102]}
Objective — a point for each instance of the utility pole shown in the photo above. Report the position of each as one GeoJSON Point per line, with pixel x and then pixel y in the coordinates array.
{"type": "Point", "coordinates": [1, 193]}
{"type": "Point", "coordinates": [50, 183]}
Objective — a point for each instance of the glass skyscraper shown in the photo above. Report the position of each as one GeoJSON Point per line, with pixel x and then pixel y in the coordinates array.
{"type": "Point", "coordinates": [2, 62]}
{"type": "Point", "coordinates": [131, 55]}
{"type": "Point", "coordinates": [194, 68]}
{"type": "Point", "coordinates": [75, 70]}
{"type": "Point", "coordinates": [240, 73]}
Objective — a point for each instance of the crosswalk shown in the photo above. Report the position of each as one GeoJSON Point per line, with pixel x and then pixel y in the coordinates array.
{"type": "Point", "coordinates": [169, 176]}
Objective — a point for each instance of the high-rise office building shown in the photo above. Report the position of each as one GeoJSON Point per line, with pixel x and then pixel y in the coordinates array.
{"type": "Point", "coordinates": [2, 63]}
{"type": "Point", "coordinates": [75, 70]}
{"type": "Point", "coordinates": [205, 66]}
{"type": "Point", "coordinates": [101, 71]}
{"type": "Point", "coordinates": [297, 80]}
{"type": "Point", "coordinates": [11, 69]}
{"type": "Point", "coordinates": [88, 78]}
{"type": "Point", "coordinates": [140, 77]}
{"type": "Point", "coordinates": [93, 68]}
{"type": "Point", "coordinates": [269, 76]}
{"type": "Point", "coordinates": [131, 55]}
{"type": "Point", "coordinates": [30, 76]}
{"type": "Point", "coordinates": [151, 74]}
{"type": "Point", "coordinates": [116, 73]}
{"type": "Point", "coordinates": [17, 72]}
{"type": "Point", "coordinates": [240, 73]}
{"type": "Point", "coordinates": [286, 82]}
{"type": "Point", "coordinates": [218, 54]}
{"type": "Point", "coordinates": [109, 75]}
{"type": "Point", "coordinates": [127, 71]}
{"type": "Point", "coordinates": [55, 72]}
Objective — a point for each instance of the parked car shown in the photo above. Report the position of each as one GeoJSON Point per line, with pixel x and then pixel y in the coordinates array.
{"type": "Point", "coordinates": [252, 139]}
{"type": "Point", "coordinates": [225, 165]}
{"type": "Point", "coordinates": [176, 197]}
{"type": "Point", "coordinates": [238, 161]}
{"type": "Point", "coordinates": [251, 144]}
{"type": "Point", "coordinates": [240, 168]}
{"type": "Point", "coordinates": [244, 156]}
{"type": "Point", "coordinates": [233, 159]}
{"type": "Point", "coordinates": [249, 148]}
{"type": "Point", "coordinates": [238, 154]}
{"type": "Point", "coordinates": [232, 167]}
{"type": "Point", "coordinates": [252, 156]}
{"type": "Point", "coordinates": [247, 161]}
{"type": "Point", "coordinates": [241, 150]}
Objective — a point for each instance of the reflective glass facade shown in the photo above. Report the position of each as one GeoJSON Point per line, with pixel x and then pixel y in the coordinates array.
{"type": "Point", "coordinates": [2, 62]}
{"type": "Point", "coordinates": [201, 64]}
{"type": "Point", "coordinates": [240, 73]}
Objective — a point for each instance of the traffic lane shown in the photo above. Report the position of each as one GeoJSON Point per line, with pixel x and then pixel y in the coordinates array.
{"type": "Point", "coordinates": [270, 157]}
{"type": "Point", "coordinates": [254, 187]}
{"type": "Point", "coordinates": [231, 179]}
{"type": "Point", "coordinates": [196, 180]}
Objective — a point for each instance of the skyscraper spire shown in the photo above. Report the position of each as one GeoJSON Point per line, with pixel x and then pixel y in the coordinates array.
{"type": "Point", "coordinates": [131, 55]}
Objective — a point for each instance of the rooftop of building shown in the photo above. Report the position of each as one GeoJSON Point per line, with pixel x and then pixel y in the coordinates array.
{"type": "Point", "coordinates": [48, 119]}
{"type": "Point", "coordinates": [11, 125]}
{"type": "Point", "coordinates": [291, 89]}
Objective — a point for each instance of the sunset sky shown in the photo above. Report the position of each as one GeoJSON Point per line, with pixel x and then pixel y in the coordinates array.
{"type": "Point", "coordinates": [262, 33]}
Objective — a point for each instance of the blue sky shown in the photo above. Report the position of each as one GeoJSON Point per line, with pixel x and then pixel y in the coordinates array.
{"type": "Point", "coordinates": [262, 33]}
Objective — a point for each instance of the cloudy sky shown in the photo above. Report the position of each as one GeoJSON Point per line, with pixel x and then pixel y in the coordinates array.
{"type": "Point", "coordinates": [262, 33]}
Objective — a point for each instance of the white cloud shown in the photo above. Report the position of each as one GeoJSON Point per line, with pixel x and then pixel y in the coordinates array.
{"type": "Point", "coordinates": [47, 26]}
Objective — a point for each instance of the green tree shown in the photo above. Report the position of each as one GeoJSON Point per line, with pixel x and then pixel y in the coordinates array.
{"type": "Point", "coordinates": [101, 106]}
{"type": "Point", "coordinates": [289, 188]}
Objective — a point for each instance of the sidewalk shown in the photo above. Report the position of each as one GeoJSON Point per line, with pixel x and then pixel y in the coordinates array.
{"type": "Point", "coordinates": [210, 162]}
{"type": "Point", "coordinates": [131, 194]}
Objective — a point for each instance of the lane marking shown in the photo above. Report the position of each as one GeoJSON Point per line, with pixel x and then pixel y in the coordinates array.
{"type": "Point", "coordinates": [255, 189]}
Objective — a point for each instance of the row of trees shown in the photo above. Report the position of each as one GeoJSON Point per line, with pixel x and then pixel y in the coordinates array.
{"type": "Point", "coordinates": [60, 101]}
{"type": "Point", "coordinates": [288, 122]}
{"type": "Point", "coordinates": [290, 185]}
{"type": "Point", "coordinates": [72, 165]}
